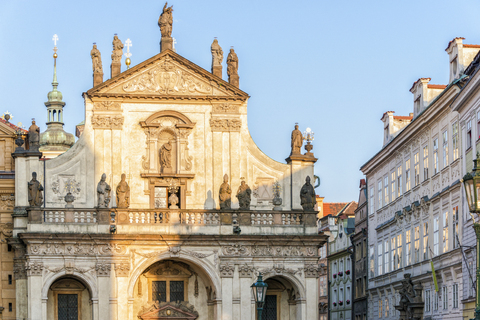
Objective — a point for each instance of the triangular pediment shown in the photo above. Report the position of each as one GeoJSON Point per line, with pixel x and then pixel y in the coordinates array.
{"type": "Point", "coordinates": [168, 310]}
{"type": "Point", "coordinates": [8, 129]}
{"type": "Point", "coordinates": [167, 75]}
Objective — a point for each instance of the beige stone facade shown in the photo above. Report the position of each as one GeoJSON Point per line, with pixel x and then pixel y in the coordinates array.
{"type": "Point", "coordinates": [151, 259]}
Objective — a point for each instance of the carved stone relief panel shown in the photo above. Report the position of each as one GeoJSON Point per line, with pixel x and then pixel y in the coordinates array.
{"type": "Point", "coordinates": [227, 270]}
{"type": "Point", "coordinates": [107, 121]}
{"type": "Point", "coordinates": [107, 106]}
{"type": "Point", "coordinates": [225, 125]}
{"type": "Point", "coordinates": [122, 269]}
{"type": "Point", "coordinates": [259, 250]}
{"type": "Point", "coordinates": [167, 78]}
{"type": "Point", "coordinates": [225, 108]}
{"type": "Point", "coordinates": [65, 183]}
{"type": "Point", "coordinates": [34, 268]}
{"type": "Point", "coordinates": [246, 271]}
{"type": "Point", "coordinates": [7, 201]}
{"type": "Point", "coordinates": [103, 269]}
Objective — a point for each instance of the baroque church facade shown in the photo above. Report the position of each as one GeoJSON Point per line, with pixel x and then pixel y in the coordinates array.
{"type": "Point", "coordinates": [164, 207]}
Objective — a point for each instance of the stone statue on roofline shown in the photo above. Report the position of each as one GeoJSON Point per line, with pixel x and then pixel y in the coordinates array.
{"type": "Point", "coordinates": [33, 137]}
{"type": "Point", "coordinates": [96, 60]}
{"type": "Point", "coordinates": [217, 54]}
{"type": "Point", "coordinates": [103, 192]}
{"type": "Point", "coordinates": [244, 195]}
{"type": "Point", "coordinates": [297, 141]}
{"type": "Point", "coordinates": [232, 63]}
{"type": "Point", "coordinates": [35, 188]}
{"type": "Point", "coordinates": [166, 20]}
{"type": "Point", "coordinates": [123, 193]}
{"type": "Point", "coordinates": [117, 50]}
{"type": "Point", "coordinates": [308, 196]}
{"type": "Point", "coordinates": [225, 194]}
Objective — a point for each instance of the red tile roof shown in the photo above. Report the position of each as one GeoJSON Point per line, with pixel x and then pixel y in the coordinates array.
{"type": "Point", "coordinates": [436, 86]}
{"type": "Point", "coordinates": [413, 85]}
{"type": "Point", "coordinates": [403, 117]}
{"type": "Point", "coordinates": [454, 40]}
{"type": "Point", "coordinates": [471, 45]}
{"type": "Point", "coordinates": [333, 208]}
{"type": "Point", "coordinates": [11, 125]}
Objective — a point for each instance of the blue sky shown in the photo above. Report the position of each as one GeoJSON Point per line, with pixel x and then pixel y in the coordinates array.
{"type": "Point", "coordinates": [334, 66]}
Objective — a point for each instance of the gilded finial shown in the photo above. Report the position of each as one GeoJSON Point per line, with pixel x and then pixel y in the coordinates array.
{"type": "Point", "coordinates": [128, 44]}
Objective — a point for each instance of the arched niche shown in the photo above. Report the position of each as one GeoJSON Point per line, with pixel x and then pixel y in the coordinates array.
{"type": "Point", "coordinates": [167, 160]}
{"type": "Point", "coordinates": [69, 298]}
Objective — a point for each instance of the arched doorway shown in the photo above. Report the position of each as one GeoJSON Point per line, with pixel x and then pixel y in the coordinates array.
{"type": "Point", "coordinates": [173, 289]}
{"type": "Point", "coordinates": [69, 299]}
{"type": "Point", "coordinates": [281, 299]}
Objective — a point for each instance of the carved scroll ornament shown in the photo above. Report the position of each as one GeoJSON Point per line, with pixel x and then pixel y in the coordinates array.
{"type": "Point", "coordinates": [107, 122]}
{"type": "Point", "coordinates": [225, 124]}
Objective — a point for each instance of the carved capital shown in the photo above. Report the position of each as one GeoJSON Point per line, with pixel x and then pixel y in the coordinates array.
{"type": "Point", "coordinates": [279, 269]}
{"type": "Point", "coordinates": [245, 271]}
{"type": "Point", "coordinates": [7, 202]}
{"type": "Point", "coordinates": [311, 271]}
{"type": "Point", "coordinates": [19, 271]}
{"type": "Point", "coordinates": [226, 270]}
{"type": "Point", "coordinates": [103, 269]}
{"type": "Point", "coordinates": [107, 121]}
{"type": "Point", "coordinates": [34, 268]}
{"type": "Point", "coordinates": [225, 108]}
{"type": "Point", "coordinates": [222, 125]}
{"type": "Point", "coordinates": [122, 269]}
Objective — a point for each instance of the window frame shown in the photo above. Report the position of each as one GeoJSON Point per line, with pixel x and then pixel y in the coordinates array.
{"type": "Point", "coordinates": [445, 148]}
{"type": "Point", "coordinates": [455, 147]}
{"type": "Point", "coordinates": [425, 162]}
{"type": "Point", "coordinates": [416, 160]}
{"type": "Point", "coordinates": [436, 168]}
{"type": "Point", "coordinates": [408, 184]}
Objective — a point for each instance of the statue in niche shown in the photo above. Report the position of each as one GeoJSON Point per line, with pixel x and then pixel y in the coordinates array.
{"type": "Point", "coordinates": [217, 54]}
{"type": "Point", "coordinates": [166, 157]}
{"type": "Point", "coordinates": [232, 63]}
{"type": "Point", "coordinates": [165, 21]}
{"type": "Point", "coordinates": [117, 50]}
{"type": "Point", "coordinates": [307, 196]}
{"type": "Point", "coordinates": [225, 194]}
{"type": "Point", "coordinates": [35, 196]}
{"type": "Point", "coordinates": [244, 195]}
{"type": "Point", "coordinates": [123, 193]}
{"type": "Point", "coordinates": [33, 137]}
{"type": "Point", "coordinates": [297, 141]}
{"type": "Point", "coordinates": [96, 60]}
{"type": "Point", "coordinates": [103, 192]}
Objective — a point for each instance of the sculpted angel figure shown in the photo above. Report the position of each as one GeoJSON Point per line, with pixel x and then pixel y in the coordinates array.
{"type": "Point", "coordinates": [96, 60]}
{"type": "Point", "coordinates": [165, 21]}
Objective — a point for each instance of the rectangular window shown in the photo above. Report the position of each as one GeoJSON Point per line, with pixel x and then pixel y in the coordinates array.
{"type": "Point", "coordinates": [372, 201]}
{"type": "Point", "coordinates": [387, 307]}
{"type": "Point", "coordinates": [435, 300]}
{"type": "Point", "coordinates": [417, 244]}
{"type": "Point", "coordinates": [427, 301]}
{"type": "Point", "coordinates": [435, 156]}
{"type": "Point", "coordinates": [455, 140]}
{"type": "Point", "coordinates": [160, 199]}
{"type": "Point", "coordinates": [435, 236]}
{"type": "Point", "coordinates": [386, 259]}
{"type": "Point", "coordinates": [407, 175]}
{"type": "Point", "coordinates": [380, 194]}
{"type": "Point", "coordinates": [469, 134]}
{"type": "Point", "coordinates": [372, 261]}
{"type": "Point", "coordinates": [425, 241]}
{"type": "Point", "coordinates": [425, 163]}
{"type": "Point", "coordinates": [385, 189]}
{"type": "Point", "coordinates": [380, 308]}
{"type": "Point", "coordinates": [417, 168]}
{"type": "Point", "coordinates": [445, 148]}
{"type": "Point", "coordinates": [159, 291]}
{"type": "Point", "coordinates": [379, 261]}
{"type": "Point", "coordinates": [10, 307]}
{"type": "Point", "coordinates": [323, 286]}
{"type": "Point", "coordinates": [408, 241]}
{"type": "Point", "coordinates": [445, 231]}
{"type": "Point", "coordinates": [393, 181]}
{"type": "Point", "coordinates": [399, 251]}
{"type": "Point", "coordinates": [177, 291]}
{"type": "Point", "coordinates": [445, 298]}
{"type": "Point", "coordinates": [399, 181]}
{"type": "Point", "coordinates": [455, 227]}
{"type": "Point", "coordinates": [10, 279]}
{"type": "Point", "coordinates": [393, 254]}
{"type": "Point", "coordinates": [455, 295]}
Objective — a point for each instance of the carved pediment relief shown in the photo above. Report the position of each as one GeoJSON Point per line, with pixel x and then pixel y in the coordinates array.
{"type": "Point", "coordinates": [168, 310]}
{"type": "Point", "coordinates": [167, 74]}
{"type": "Point", "coordinates": [169, 269]}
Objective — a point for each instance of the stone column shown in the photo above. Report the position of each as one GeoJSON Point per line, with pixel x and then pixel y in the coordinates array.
{"type": "Point", "coordinates": [44, 309]}
{"type": "Point", "coordinates": [226, 273]}
{"type": "Point", "coordinates": [122, 270]}
{"type": "Point", "coordinates": [95, 315]}
{"type": "Point", "coordinates": [35, 284]}
{"type": "Point", "coordinates": [311, 296]}
{"type": "Point", "coordinates": [103, 282]}
{"type": "Point", "coordinates": [245, 274]}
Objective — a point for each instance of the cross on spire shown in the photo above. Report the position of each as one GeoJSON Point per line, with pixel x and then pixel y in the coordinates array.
{"type": "Point", "coordinates": [128, 44]}
{"type": "Point", "coordinates": [55, 39]}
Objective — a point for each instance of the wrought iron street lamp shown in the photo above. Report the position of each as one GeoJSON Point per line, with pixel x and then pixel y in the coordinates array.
{"type": "Point", "coordinates": [471, 182]}
{"type": "Point", "coordinates": [259, 290]}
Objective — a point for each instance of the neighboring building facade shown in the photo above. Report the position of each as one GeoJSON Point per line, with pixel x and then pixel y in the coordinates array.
{"type": "Point", "coordinates": [415, 201]}
{"type": "Point", "coordinates": [154, 231]}
{"type": "Point", "coordinates": [467, 105]}
{"type": "Point", "coordinates": [8, 132]}
{"type": "Point", "coordinates": [360, 245]}
{"type": "Point", "coordinates": [340, 268]}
